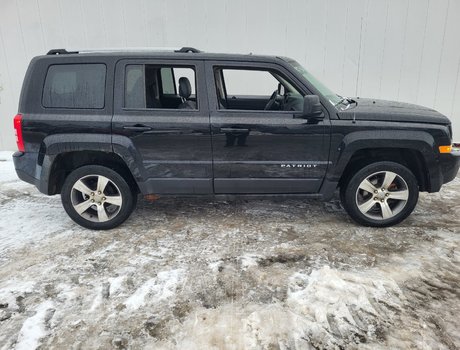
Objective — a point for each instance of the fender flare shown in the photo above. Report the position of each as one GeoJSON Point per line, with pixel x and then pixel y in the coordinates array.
{"type": "Point", "coordinates": [58, 144]}
{"type": "Point", "coordinates": [419, 141]}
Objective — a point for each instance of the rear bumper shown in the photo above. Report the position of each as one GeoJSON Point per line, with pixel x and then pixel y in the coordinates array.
{"type": "Point", "coordinates": [28, 170]}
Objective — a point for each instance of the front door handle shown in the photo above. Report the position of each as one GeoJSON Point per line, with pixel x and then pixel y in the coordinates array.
{"type": "Point", "coordinates": [138, 127]}
{"type": "Point", "coordinates": [238, 130]}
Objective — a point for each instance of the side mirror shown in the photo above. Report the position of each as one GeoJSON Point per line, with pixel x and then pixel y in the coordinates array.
{"type": "Point", "coordinates": [312, 107]}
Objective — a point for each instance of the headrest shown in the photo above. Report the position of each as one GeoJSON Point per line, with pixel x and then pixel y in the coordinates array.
{"type": "Point", "coordinates": [185, 89]}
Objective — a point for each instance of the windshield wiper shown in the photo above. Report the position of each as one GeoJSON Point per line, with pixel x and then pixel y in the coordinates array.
{"type": "Point", "coordinates": [345, 99]}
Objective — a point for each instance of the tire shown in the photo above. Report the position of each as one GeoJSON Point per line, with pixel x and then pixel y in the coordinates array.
{"type": "Point", "coordinates": [97, 197]}
{"type": "Point", "coordinates": [381, 194]}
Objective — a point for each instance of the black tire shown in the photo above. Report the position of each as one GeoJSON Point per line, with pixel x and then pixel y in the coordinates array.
{"type": "Point", "coordinates": [379, 199]}
{"type": "Point", "coordinates": [116, 190]}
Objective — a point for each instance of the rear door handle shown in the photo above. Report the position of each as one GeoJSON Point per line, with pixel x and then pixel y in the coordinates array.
{"type": "Point", "coordinates": [139, 128]}
{"type": "Point", "coordinates": [234, 130]}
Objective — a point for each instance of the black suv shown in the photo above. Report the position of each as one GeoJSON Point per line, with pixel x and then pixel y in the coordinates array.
{"type": "Point", "coordinates": [101, 127]}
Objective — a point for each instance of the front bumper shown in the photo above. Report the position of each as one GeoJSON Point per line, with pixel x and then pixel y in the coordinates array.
{"type": "Point", "coordinates": [449, 165]}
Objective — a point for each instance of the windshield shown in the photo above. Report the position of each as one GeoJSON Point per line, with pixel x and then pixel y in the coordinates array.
{"type": "Point", "coordinates": [332, 97]}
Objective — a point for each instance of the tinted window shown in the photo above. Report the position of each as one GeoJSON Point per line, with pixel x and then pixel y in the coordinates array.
{"type": "Point", "coordinates": [75, 86]}
{"type": "Point", "coordinates": [134, 91]}
{"type": "Point", "coordinates": [167, 81]}
{"type": "Point", "coordinates": [152, 86]}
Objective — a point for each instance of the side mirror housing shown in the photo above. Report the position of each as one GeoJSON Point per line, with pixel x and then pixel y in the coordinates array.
{"type": "Point", "coordinates": [312, 107]}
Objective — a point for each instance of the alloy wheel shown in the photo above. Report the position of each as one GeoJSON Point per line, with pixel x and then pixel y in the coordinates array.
{"type": "Point", "coordinates": [382, 195]}
{"type": "Point", "coordinates": [96, 198]}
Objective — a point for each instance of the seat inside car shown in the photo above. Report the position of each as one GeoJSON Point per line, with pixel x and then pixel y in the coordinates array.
{"type": "Point", "coordinates": [185, 90]}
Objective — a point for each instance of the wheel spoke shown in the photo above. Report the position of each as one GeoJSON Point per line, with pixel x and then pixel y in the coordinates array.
{"type": "Point", "coordinates": [366, 185]}
{"type": "Point", "coordinates": [81, 187]}
{"type": "Point", "coordinates": [399, 195]}
{"type": "Point", "coordinates": [101, 213]}
{"type": "Point", "coordinates": [386, 210]}
{"type": "Point", "coordinates": [388, 180]}
{"type": "Point", "coordinates": [83, 206]}
{"type": "Point", "coordinates": [116, 200]}
{"type": "Point", "coordinates": [102, 182]}
{"type": "Point", "coordinates": [366, 206]}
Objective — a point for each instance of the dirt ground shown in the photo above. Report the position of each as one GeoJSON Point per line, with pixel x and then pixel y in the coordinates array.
{"type": "Point", "coordinates": [242, 274]}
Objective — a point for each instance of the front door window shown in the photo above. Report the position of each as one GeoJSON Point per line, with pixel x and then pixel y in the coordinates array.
{"type": "Point", "coordinates": [255, 90]}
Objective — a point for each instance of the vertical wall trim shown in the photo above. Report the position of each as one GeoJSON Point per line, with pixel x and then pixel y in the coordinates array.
{"type": "Point", "coordinates": [45, 45]}
{"type": "Point", "coordinates": [384, 46]}
{"type": "Point", "coordinates": [423, 49]}
{"type": "Point", "coordinates": [359, 55]}
{"type": "Point", "coordinates": [345, 45]}
{"type": "Point", "coordinates": [404, 48]}
{"type": "Point", "coordinates": [20, 27]}
{"type": "Point", "coordinates": [442, 52]}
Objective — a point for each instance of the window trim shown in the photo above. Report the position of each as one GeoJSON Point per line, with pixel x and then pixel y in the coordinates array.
{"type": "Point", "coordinates": [75, 108]}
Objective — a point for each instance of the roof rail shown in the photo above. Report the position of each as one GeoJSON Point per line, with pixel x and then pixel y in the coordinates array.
{"type": "Point", "coordinates": [186, 49]}
{"type": "Point", "coordinates": [60, 52]}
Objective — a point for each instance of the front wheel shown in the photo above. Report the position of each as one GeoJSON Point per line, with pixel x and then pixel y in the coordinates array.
{"type": "Point", "coordinates": [97, 197]}
{"type": "Point", "coordinates": [380, 194]}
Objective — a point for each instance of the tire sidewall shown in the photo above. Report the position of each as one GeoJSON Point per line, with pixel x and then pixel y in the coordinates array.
{"type": "Point", "coordinates": [125, 190]}
{"type": "Point", "coordinates": [349, 194]}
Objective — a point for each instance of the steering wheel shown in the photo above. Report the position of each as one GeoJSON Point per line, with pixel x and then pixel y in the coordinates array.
{"type": "Point", "coordinates": [271, 101]}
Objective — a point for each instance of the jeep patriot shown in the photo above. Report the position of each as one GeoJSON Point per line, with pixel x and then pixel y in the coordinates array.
{"type": "Point", "coordinates": [101, 127]}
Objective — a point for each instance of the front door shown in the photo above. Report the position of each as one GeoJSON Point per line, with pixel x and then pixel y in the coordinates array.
{"type": "Point", "coordinates": [161, 107]}
{"type": "Point", "coordinates": [259, 146]}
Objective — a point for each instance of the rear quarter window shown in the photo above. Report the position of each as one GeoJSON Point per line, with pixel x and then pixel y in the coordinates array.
{"type": "Point", "coordinates": [75, 86]}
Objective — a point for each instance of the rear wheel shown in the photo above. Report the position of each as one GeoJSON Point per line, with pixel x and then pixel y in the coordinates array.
{"type": "Point", "coordinates": [97, 197]}
{"type": "Point", "coordinates": [380, 194]}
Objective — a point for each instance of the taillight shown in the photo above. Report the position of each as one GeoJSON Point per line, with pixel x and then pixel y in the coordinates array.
{"type": "Point", "coordinates": [18, 132]}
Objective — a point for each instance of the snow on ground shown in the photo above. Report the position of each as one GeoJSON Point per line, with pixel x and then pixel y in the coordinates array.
{"type": "Point", "coordinates": [242, 274]}
{"type": "Point", "coordinates": [34, 328]}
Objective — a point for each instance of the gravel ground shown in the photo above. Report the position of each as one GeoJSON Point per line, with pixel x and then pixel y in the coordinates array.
{"type": "Point", "coordinates": [243, 274]}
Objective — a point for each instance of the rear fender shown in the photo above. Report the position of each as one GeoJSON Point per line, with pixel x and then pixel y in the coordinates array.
{"type": "Point", "coordinates": [55, 145]}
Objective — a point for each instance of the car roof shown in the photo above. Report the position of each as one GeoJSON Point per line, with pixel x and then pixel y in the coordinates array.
{"type": "Point", "coordinates": [187, 53]}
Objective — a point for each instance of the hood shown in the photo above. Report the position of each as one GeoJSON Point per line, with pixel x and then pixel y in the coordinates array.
{"type": "Point", "coordinates": [381, 110]}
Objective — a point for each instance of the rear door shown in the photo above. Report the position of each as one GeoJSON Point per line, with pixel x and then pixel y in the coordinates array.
{"type": "Point", "coordinates": [257, 150]}
{"type": "Point", "coordinates": [173, 145]}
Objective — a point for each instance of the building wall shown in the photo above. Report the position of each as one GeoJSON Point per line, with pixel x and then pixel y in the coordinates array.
{"type": "Point", "coordinates": [407, 50]}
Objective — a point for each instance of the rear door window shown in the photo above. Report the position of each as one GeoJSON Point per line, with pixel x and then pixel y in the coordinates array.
{"type": "Point", "coordinates": [75, 86]}
{"type": "Point", "coordinates": [149, 86]}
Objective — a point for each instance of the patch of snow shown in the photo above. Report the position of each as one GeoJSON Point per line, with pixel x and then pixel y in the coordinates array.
{"type": "Point", "coordinates": [16, 228]}
{"type": "Point", "coordinates": [19, 201]}
{"type": "Point", "coordinates": [97, 299]}
{"type": "Point", "coordinates": [7, 172]}
{"type": "Point", "coordinates": [343, 303]}
{"type": "Point", "coordinates": [249, 260]}
{"type": "Point", "coordinates": [159, 288]}
{"type": "Point", "coordinates": [116, 284]}
{"type": "Point", "coordinates": [34, 328]}
{"type": "Point", "coordinates": [13, 288]}
{"type": "Point", "coordinates": [215, 265]}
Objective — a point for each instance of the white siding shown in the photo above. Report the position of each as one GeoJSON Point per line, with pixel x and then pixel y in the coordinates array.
{"type": "Point", "coordinates": [406, 50]}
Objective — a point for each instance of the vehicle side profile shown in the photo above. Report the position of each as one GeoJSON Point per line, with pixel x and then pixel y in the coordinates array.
{"type": "Point", "coordinates": [101, 127]}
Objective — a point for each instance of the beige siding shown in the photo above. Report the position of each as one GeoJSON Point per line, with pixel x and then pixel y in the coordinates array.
{"type": "Point", "coordinates": [406, 50]}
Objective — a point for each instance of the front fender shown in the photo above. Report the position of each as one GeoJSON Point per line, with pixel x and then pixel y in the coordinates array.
{"type": "Point", "coordinates": [419, 141]}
